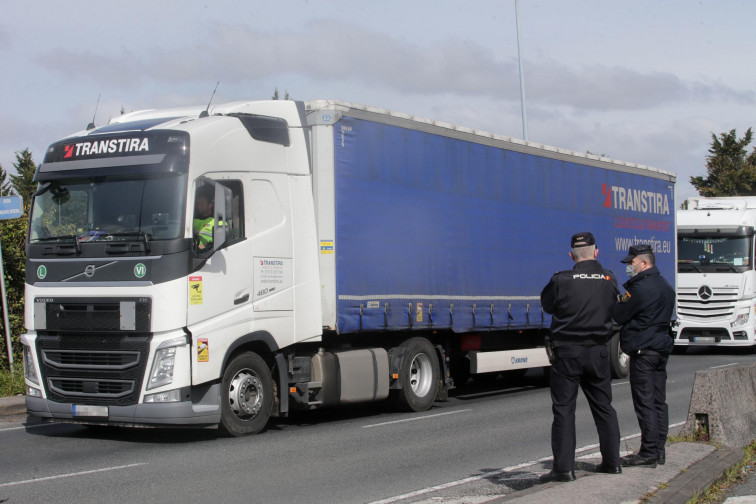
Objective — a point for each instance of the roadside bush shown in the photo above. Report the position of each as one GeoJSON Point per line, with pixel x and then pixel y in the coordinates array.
{"type": "Point", "coordinates": [12, 240]}
{"type": "Point", "coordinates": [12, 383]}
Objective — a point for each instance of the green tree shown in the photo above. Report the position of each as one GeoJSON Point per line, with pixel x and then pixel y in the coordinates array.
{"type": "Point", "coordinates": [731, 170]}
{"type": "Point", "coordinates": [24, 181]}
{"type": "Point", "coordinates": [5, 187]}
{"type": "Point", "coordinates": [12, 240]}
{"type": "Point", "coordinates": [277, 97]}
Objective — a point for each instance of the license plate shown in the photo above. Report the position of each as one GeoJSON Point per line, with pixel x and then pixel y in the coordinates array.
{"type": "Point", "coordinates": [704, 339]}
{"type": "Point", "coordinates": [79, 410]}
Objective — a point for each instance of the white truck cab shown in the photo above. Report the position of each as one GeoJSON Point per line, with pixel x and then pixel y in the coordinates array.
{"type": "Point", "coordinates": [716, 280]}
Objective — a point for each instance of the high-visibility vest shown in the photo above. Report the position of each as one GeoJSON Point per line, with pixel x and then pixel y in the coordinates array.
{"type": "Point", "coordinates": [204, 230]}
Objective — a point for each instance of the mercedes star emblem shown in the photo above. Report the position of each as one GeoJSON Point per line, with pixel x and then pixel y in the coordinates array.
{"type": "Point", "coordinates": [705, 292]}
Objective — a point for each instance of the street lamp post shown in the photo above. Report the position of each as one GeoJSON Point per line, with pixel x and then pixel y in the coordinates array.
{"type": "Point", "coordinates": [522, 74]}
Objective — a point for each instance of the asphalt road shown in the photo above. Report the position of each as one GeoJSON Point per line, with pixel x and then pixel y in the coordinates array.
{"type": "Point", "coordinates": [347, 455]}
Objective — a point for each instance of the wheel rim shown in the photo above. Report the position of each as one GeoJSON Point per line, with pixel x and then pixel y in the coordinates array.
{"type": "Point", "coordinates": [245, 394]}
{"type": "Point", "coordinates": [421, 375]}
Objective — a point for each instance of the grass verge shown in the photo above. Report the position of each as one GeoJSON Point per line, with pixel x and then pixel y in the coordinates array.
{"type": "Point", "coordinates": [12, 383]}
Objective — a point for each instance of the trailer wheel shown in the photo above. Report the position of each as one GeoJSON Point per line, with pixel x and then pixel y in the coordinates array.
{"type": "Point", "coordinates": [419, 376]}
{"type": "Point", "coordinates": [247, 395]}
{"type": "Point", "coordinates": [619, 361]}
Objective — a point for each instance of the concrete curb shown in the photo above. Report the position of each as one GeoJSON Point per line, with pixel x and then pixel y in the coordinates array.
{"type": "Point", "coordinates": [14, 405]}
{"type": "Point", "coordinates": [698, 477]}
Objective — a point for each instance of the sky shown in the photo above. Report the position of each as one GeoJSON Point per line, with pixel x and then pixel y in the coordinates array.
{"type": "Point", "coordinates": [643, 81]}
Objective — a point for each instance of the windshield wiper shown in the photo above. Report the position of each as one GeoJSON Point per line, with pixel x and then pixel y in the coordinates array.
{"type": "Point", "coordinates": [73, 238]}
{"type": "Point", "coordinates": [137, 234]}
{"type": "Point", "coordinates": [727, 267]}
{"type": "Point", "coordinates": [688, 265]}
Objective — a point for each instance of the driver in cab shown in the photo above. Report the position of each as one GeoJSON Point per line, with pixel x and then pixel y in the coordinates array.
{"type": "Point", "coordinates": [204, 222]}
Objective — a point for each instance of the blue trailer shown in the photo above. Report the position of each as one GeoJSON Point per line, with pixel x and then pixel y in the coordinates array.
{"type": "Point", "coordinates": [438, 228]}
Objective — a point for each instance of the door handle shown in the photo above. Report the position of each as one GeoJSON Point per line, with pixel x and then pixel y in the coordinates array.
{"type": "Point", "coordinates": [242, 299]}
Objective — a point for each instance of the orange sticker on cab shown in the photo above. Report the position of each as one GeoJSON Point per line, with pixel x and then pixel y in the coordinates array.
{"type": "Point", "coordinates": [203, 352]}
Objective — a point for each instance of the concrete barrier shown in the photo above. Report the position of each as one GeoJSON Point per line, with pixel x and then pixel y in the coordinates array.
{"type": "Point", "coordinates": [723, 406]}
{"type": "Point", "coordinates": [13, 405]}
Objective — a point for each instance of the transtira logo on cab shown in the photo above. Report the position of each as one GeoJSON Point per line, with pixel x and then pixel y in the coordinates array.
{"type": "Point", "coordinates": [112, 146]}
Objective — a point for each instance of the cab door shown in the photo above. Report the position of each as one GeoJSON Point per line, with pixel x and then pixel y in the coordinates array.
{"type": "Point", "coordinates": [220, 285]}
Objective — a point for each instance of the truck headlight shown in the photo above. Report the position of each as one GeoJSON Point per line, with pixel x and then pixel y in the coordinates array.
{"type": "Point", "coordinates": [167, 396]}
{"type": "Point", "coordinates": [30, 369]}
{"type": "Point", "coordinates": [162, 368]}
{"type": "Point", "coordinates": [741, 319]}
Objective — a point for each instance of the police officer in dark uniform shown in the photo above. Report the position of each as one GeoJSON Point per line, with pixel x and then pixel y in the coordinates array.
{"type": "Point", "coordinates": [581, 301]}
{"type": "Point", "coordinates": [645, 312]}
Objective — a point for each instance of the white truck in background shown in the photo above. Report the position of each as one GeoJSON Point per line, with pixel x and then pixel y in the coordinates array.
{"type": "Point", "coordinates": [716, 280]}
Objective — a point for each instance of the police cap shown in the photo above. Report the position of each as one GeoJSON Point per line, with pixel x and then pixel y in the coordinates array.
{"type": "Point", "coordinates": [582, 240]}
{"type": "Point", "coordinates": [637, 250]}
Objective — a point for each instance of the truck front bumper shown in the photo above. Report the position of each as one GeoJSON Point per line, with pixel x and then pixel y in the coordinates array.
{"type": "Point", "coordinates": [714, 335]}
{"type": "Point", "coordinates": [202, 410]}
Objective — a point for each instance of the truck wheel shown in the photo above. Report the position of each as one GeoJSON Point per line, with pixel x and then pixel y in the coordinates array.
{"type": "Point", "coordinates": [619, 361]}
{"type": "Point", "coordinates": [247, 395]}
{"type": "Point", "coordinates": [419, 376]}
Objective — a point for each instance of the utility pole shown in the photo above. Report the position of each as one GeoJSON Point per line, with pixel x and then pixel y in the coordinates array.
{"type": "Point", "coordinates": [522, 74]}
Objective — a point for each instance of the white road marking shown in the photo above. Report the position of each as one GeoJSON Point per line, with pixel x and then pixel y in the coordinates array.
{"type": "Point", "coordinates": [726, 365]}
{"type": "Point", "coordinates": [614, 384]}
{"type": "Point", "coordinates": [25, 427]}
{"type": "Point", "coordinates": [416, 418]}
{"type": "Point", "coordinates": [70, 475]}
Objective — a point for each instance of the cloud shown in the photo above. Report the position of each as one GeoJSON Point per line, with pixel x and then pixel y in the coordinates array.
{"type": "Point", "coordinates": [618, 88]}
{"type": "Point", "coordinates": [5, 40]}
{"type": "Point", "coordinates": [336, 52]}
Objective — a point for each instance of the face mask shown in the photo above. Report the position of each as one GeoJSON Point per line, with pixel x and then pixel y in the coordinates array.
{"type": "Point", "coordinates": [630, 270]}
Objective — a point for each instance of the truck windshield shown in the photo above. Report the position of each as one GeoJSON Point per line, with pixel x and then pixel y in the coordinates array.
{"type": "Point", "coordinates": [714, 253]}
{"type": "Point", "coordinates": [109, 209]}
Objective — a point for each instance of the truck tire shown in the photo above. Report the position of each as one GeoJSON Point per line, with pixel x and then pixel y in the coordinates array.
{"type": "Point", "coordinates": [246, 395]}
{"type": "Point", "coordinates": [619, 361]}
{"type": "Point", "coordinates": [419, 376]}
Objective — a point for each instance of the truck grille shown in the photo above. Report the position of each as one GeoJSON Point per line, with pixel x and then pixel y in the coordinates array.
{"type": "Point", "coordinates": [712, 304]}
{"type": "Point", "coordinates": [90, 360]}
{"type": "Point", "coordinates": [92, 316]}
{"type": "Point", "coordinates": [91, 368]}
{"type": "Point", "coordinates": [86, 388]}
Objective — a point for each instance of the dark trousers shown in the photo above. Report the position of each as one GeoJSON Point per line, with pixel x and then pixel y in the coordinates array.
{"type": "Point", "coordinates": [586, 367]}
{"type": "Point", "coordinates": [648, 383]}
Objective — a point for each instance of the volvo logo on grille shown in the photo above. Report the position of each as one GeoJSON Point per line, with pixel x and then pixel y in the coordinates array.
{"type": "Point", "coordinates": [705, 293]}
{"type": "Point", "coordinates": [89, 271]}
